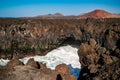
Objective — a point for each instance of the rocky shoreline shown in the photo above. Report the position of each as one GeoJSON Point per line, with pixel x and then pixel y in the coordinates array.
{"type": "Point", "coordinates": [99, 41]}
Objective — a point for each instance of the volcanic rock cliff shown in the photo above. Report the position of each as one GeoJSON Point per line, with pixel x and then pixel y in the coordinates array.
{"type": "Point", "coordinates": [36, 36]}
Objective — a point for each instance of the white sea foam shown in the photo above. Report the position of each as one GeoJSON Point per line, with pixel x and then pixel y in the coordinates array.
{"type": "Point", "coordinates": [65, 54]}
{"type": "Point", "coordinates": [3, 62]}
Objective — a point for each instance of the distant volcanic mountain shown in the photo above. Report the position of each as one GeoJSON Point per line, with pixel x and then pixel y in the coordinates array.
{"type": "Point", "coordinates": [92, 14]}
{"type": "Point", "coordinates": [58, 14]}
{"type": "Point", "coordinates": [99, 14]}
{"type": "Point", "coordinates": [50, 16]}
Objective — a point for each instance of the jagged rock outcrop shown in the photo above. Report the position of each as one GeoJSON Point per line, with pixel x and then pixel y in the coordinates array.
{"type": "Point", "coordinates": [98, 63]}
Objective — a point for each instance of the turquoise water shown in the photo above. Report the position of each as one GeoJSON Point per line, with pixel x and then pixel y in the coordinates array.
{"type": "Point", "coordinates": [74, 71]}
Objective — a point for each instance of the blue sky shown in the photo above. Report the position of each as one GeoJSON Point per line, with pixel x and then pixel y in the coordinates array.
{"type": "Point", "coordinates": [22, 8]}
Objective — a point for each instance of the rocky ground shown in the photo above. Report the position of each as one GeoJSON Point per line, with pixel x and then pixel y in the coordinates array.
{"type": "Point", "coordinates": [99, 51]}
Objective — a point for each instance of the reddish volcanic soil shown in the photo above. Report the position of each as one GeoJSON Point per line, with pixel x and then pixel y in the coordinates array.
{"type": "Point", "coordinates": [99, 14]}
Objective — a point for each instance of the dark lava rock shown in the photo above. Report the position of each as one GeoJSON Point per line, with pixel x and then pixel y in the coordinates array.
{"type": "Point", "coordinates": [35, 36]}
{"type": "Point", "coordinates": [99, 51]}
{"type": "Point", "coordinates": [98, 63]}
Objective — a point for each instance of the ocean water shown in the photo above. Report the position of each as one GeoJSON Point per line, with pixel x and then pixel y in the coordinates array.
{"type": "Point", "coordinates": [74, 71]}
